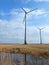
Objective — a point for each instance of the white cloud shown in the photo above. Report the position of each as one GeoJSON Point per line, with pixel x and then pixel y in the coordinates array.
{"type": "Point", "coordinates": [25, 1]}
{"type": "Point", "coordinates": [41, 0]}
{"type": "Point", "coordinates": [39, 13]}
{"type": "Point", "coordinates": [19, 13]}
{"type": "Point", "coordinates": [14, 28]}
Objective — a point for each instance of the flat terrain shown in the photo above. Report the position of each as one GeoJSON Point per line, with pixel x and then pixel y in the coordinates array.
{"type": "Point", "coordinates": [37, 50]}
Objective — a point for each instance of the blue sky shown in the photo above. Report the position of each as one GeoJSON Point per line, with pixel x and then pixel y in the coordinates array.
{"type": "Point", "coordinates": [12, 25]}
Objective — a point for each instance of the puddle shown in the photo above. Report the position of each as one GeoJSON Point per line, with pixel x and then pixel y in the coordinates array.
{"type": "Point", "coordinates": [19, 59]}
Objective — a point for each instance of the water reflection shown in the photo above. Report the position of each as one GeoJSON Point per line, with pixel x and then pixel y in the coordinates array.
{"type": "Point", "coordinates": [19, 59]}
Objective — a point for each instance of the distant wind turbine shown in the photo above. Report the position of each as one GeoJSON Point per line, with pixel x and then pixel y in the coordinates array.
{"type": "Point", "coordinates": [40, 29]}
{"type": "Point", "coordinates": [25, 42]}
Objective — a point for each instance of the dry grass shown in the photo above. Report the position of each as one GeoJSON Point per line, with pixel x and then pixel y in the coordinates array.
{"type": "Point", "coordinates": [34, 49]}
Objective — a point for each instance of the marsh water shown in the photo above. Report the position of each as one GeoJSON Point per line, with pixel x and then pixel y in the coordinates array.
{"type": "Point", "coordinates": [19, 59]}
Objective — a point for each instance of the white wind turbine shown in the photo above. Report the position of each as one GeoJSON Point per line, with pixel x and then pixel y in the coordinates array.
{"type": "Point", "coordinates": [25, 16]}
{"type": "Point", "coordinates": [40, 30]}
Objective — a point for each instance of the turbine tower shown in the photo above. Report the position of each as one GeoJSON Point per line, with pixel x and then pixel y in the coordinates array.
{"type": "Point", "coordinates": [25, 22]}
{"type": "Point", "coordinates": [40, 29]}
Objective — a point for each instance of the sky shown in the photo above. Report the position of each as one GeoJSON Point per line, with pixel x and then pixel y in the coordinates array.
{"type": "Point", "coordinates": [12, 26]}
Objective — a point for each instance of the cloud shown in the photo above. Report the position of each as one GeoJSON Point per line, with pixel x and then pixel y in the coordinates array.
{"type": "Point", "coordinates": [25, 1]}
{"type": "Point", "coordinates": [15, 33]}
{"type": "Point", "coordinates": [41, 0]}
{"type": "Point", "coordinates": [16, 13]}
{"type": "Point", "coordinates": [39, 13]}
{"type": "Point", "coordinates": [10, 31]}
{"type": "Point", "coordinates": [13, 30]}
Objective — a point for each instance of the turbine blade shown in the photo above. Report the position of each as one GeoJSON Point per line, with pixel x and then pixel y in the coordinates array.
{"type": "Point", "coordinates": [23, 9]}
{"type": "Point", "coordinates": [38, 28]}
{"type": "Point", "coordinates": [32, 10]}
{"type": "Point", "coordinates": [43, 28]}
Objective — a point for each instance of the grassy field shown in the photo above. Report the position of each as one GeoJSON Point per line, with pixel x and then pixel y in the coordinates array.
{"type": "Point", "coordinates": [33, 49]}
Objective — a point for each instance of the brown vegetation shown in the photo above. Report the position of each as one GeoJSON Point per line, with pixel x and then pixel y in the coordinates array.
{"type": "Point", "coordinates": [33, 49]}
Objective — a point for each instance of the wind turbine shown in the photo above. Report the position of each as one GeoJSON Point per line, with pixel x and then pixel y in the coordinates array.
{"type": "Point", "coordinates": [25, 26]}
{"type": "Point", "coordinates": [40, 29]}
{"type": "Point", "coordinates": [25, 21]}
